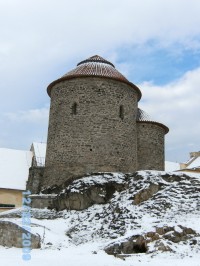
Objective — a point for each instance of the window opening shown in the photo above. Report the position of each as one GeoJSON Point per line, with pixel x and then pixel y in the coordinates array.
{"type": "Point", "coordinates": [121, 112]}
{"type": "Point", "coordinates": [74, 108]}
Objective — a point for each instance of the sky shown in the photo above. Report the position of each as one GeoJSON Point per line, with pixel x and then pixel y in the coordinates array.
{"type": "Point", "coordinates": [154, 43]}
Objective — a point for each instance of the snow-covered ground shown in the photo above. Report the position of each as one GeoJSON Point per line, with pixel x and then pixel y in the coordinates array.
{"type": "Point", "coordinates": [77, 238]}
{"type": "Point", "coordinates": [83, 255]}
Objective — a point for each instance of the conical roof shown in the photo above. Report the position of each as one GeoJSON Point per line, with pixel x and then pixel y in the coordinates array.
{"type": "Point", "coordinates": [95, 66]}
{"type": "Point", "coordinates": [144, 117]}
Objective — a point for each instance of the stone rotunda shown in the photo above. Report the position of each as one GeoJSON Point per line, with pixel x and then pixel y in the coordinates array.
{"type": "Point", "coordinates": [95, 125]}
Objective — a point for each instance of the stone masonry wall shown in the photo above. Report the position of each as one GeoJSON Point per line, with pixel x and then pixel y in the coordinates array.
{"type": "Point", "coordinates": [150, 139]}
{"type": "Point", "coordinates": [42, 201]}
{"type": "Point", "coordinates": [35, 179]}
{"type": "Point", "coordinates": [11, 235]}
{"type": "Point", "coordinates": [92, 128]}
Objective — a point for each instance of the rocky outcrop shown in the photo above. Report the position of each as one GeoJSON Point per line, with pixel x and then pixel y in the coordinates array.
{"type": "Point", "coordinates": [84, 193]}
{"type": "Point", "coordinates": [11, 235]}
{"type": "Point", "coordinates": [111, 206]}
{"type": "Point", "coordinates": [135, 244]}
{"type": "Point", "coordinates": [100, 188]}
{"type": "Point", "coordinates": [157, 239]}
{"type": "Point", "coordinates": [146, 193]}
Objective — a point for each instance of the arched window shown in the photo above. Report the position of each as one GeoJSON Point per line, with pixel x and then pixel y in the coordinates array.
{"type": "Point", "coordinates": [121, 112]}
{"type": "Point", "coordinates": [74, 108]}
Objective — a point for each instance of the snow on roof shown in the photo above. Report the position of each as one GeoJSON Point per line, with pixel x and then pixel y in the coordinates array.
{"type": "Point", "coordinates": [191, 174]}
{"type": "Point", "coordinates": [194, 164]}
{"type": "Point", "coordinates": [14, 168]}
{"type": "Point", "coordinates": [39, 150]}
{"type": "Point", "coordinates": [189, 160]}
{"type": "Point", "coordinates": [171, 166]}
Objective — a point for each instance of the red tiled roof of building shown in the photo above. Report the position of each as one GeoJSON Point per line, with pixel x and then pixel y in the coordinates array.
{"type": "Point", "coordinates": [95, 66]}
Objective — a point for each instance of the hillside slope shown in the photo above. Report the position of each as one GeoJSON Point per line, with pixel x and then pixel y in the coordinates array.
{"type": "Point", "coordinates": [143, 216]}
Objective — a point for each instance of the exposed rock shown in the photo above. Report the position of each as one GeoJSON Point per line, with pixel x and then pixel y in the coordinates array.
{"type": "Point", "coordinates": [85, 192]}
{"type": "Point", "coordinates": [108, 206]}
{"type": "Point", "coordinates": [179, 233]}
{"type": "Point", "coordinates": [82, 193]}
{"type": "Point", "coordinates": [162, 246]}
{"type": "Point", "coordinates": [100, 188]}
{"type": "Point", "coordinates": [163, 230]}
{"type": "Point", "coordinates": [146, 193]}
{"type": "Point", "coordinates": [152, 236]}
{"type": "Point", "coordinates": [72, 199]}
{"type": "Point", "coordinates": [11, 235]}
{"type": "Point", "coordinates": [135, 244]}
{"type": "Point", "coordinates": [140, 243]}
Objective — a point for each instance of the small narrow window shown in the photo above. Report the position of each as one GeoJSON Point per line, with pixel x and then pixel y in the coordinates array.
{"type": "Point", "coordinates": [74, 108]}
{"type": "Point", "coordinates": [121, 112]}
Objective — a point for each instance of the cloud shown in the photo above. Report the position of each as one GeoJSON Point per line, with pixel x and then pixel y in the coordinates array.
{"type": "Point", "coordinates": [146, 40]}
{"type": "Point", "coordinates": [30, 116]}
{"type": "Point", "coordinates": [20, 129]}
{"type": "Point", "coordinates": [38, 32]}
{"type": "Point", "coordinates": [176, 105]}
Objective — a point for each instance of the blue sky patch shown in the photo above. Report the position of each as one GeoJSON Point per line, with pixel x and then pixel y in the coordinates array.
{"type": "Point", "coordinates": [150, 62]}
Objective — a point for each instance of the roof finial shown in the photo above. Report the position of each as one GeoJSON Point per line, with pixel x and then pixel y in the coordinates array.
{"type": "Point", "coordinates": [96, 58]}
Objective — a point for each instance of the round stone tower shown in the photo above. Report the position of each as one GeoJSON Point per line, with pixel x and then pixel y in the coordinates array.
{"type": "Point", "coordinates": [150, 142]}
{"type": "Point", "coordinates": [92, 123]}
